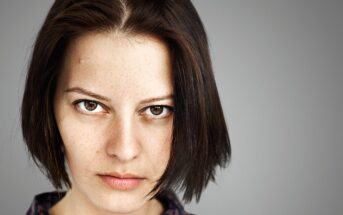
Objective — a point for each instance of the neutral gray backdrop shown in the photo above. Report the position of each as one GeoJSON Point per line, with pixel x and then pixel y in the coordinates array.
{"type": "Point", "coordinates": [279, 70]}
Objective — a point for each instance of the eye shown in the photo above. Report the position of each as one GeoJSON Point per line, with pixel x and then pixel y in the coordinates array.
{"type": "Point", "coordinates": [158, 111]}
{"type": "Point", "coordinates": [89, 106]}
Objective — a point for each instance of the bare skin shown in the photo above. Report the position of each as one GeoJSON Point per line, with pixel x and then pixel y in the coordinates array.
{"type": "Point", "coordinates": [113, 107]}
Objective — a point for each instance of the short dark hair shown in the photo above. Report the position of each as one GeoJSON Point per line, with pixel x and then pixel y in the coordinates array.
{"type": "Point", "coordinates": [200, 138]}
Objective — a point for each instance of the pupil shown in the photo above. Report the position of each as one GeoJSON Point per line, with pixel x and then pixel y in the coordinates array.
{"type": "Point", "coordinates": [90, 105]}
{"type": "Point", "coordinates": [156, 110]}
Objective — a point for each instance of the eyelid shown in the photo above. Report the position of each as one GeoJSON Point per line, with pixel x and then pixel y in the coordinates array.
{"type": "Point", "coordinates": [169, 108]}
{"type": "Point", "coordinates": [77, 102]}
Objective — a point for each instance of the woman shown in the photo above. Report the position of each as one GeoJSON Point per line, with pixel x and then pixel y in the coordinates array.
{"type": "Point", "coordinates": [121, 107]}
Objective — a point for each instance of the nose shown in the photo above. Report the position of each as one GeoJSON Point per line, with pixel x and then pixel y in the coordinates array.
{"type": "Point", "coordinates": [122, 142]}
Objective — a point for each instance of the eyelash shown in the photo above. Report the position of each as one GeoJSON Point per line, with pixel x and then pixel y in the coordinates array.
{"type": "Point", "coordinates": [80, 105]}
{"type": "Point", "coordinates": [166, 110]}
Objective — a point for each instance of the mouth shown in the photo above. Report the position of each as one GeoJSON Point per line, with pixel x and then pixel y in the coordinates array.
{"type": "Point", "coordinates": [119, 181]}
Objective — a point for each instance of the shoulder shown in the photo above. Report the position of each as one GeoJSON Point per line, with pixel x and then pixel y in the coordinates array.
{"type": "Point", "coordinates": [172, 204]}
{"type": "Point", "coordinates": [43, 202]}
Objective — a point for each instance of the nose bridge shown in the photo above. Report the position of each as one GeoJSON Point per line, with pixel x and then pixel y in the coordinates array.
{"type": "Point", "coordinates": [122, 142]}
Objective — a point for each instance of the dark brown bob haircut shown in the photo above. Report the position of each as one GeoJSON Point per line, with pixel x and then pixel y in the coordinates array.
{"type": "Point", "coordinates": [200, 138]}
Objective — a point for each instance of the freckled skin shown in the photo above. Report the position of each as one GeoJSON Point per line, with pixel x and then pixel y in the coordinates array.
{"type": "Point", "coordinates": [123, 136]}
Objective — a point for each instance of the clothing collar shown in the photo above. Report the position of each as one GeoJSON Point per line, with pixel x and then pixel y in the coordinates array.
{"type": "Point", "coordinates": [44, 201]}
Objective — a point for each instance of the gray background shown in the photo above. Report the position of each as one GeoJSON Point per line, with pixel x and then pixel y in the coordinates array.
{"type": "Point", "coordinates": [279, 70]}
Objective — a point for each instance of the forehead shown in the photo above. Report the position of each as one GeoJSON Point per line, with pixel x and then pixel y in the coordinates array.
{"type": "Point", "coordinates": [113, 61]}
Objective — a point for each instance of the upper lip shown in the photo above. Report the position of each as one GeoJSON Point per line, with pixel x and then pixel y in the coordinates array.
{"type": "Point", "coordinates": [122, 175]}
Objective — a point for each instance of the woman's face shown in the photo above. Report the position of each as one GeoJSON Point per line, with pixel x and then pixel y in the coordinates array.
{"type": "Point", "coordinates": [113, 107]}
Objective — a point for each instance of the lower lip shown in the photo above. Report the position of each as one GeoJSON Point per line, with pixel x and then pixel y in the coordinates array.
{"type": "Point", "coordinates": [121, 183]}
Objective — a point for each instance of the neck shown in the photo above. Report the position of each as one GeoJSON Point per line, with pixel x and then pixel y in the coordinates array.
{"type": "Point", "coordinates": [72, 203]}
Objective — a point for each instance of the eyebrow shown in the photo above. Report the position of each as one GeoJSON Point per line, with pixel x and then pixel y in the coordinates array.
{"type": "Point", "coordinates": [87, 92]}
{"type": "Point", "coordinates": [155, 99]}
{"type": "Point", "coordinates": [104, 98]}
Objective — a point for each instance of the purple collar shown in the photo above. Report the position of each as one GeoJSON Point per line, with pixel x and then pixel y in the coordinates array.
{"type": "Point", "coordinates": [43, 202]}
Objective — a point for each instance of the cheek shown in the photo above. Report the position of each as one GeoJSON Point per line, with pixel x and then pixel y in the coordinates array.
{"type": "Point", "coordinates": [81, 142]}
{"type": "Point", "coordinates": [157, 146]}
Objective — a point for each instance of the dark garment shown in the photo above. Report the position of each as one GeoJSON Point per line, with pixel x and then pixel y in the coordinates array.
{"type": "Point", "coordinates": [43, 202]}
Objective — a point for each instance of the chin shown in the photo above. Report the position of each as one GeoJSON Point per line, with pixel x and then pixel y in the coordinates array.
{"type": "Point", "coordinates": [118, 201]}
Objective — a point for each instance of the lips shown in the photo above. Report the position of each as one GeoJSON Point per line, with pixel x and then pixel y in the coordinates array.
{"type": "Point", "coordinates": [121, 181]}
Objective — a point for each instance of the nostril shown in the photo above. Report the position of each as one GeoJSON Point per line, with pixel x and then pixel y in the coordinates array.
{"type": "Point", "coordinates": [123, 145]}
